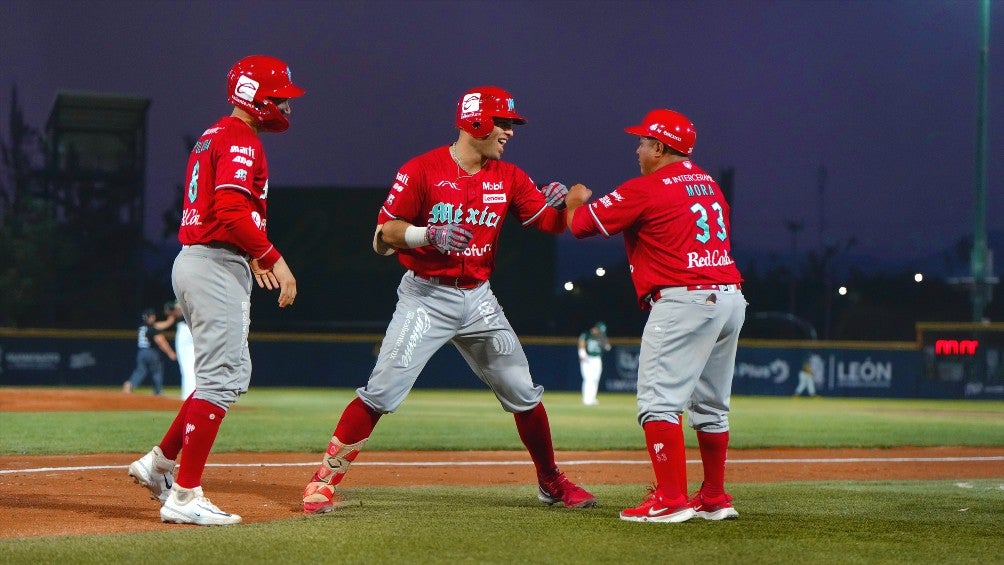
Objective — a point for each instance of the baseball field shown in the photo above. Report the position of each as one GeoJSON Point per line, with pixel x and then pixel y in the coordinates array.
{"type": "Point", "coordinates": [446, 480]}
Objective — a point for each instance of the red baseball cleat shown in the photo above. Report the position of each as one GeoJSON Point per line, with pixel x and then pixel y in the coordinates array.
{"type": "Point", "coordinates": [320, 498]}
{"type": "Point", "coordinates": [655, 508]}
{"type": "Point", "coordinates": [718, 508]}
{"type": "Point", "coordinates": [559, 489]}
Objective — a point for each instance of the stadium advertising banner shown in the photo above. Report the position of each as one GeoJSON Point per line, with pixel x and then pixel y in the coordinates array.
{"type": "Point", "coordinates": [775, 371]}
{"type": "Point", "coordinates": [938, 369]}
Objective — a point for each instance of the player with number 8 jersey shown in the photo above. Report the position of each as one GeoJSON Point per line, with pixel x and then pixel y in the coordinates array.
{"type": "Point", "coordinates": [227, 186]}
{"type": "Point", "coordinates": [225, 249]}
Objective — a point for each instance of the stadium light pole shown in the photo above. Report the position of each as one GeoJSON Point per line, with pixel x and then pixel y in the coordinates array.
{"type": "Point", "coordinates": [981, 256]}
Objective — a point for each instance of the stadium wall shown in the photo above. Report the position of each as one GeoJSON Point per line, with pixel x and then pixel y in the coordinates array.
{"type": "Point", "coordinates": [40, 357]}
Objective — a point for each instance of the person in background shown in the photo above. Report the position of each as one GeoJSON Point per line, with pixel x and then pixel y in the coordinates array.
{"type": "Point", "coordinates": [184, 347]}
{"type": "Point", "coordinates": [678, 237]}
{"type": "Point", "coordinates": [812, 367]}
{"type": "Point", "coordinates": [148, 360]}
{"type": "Point", "coordinates": [592, 343]}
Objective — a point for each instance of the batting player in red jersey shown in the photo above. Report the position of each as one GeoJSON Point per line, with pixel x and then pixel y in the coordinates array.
{"type": "Point", "coordinates": [443, 217]}
{"type": "Point", "coordinates": [225, 244]}
{"type": "Point", "coordinates": [675, 222]}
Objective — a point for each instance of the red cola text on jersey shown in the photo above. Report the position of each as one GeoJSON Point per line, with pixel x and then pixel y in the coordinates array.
{"type": "Point", "coordinates": [663, 252]}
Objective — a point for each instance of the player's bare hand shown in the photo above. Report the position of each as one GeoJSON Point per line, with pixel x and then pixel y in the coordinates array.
{"type": "Point", "coordinates": [554, 194]}
{"type": "Point", "coordinates": [256, 268]}
{"type": "Point", "coordinates": [578, 195]}
{"type": "Point", "coordinates": [265, 278]}
{"type": "Point", "coordinates": [449, 237]}
{"type": "Point", "coordinates": [286, 281]}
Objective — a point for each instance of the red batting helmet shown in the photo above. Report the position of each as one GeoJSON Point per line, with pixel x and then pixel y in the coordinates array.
{"type": "Point", "coordinates": [254, 81]}
{"type": "Point", "coordinates": [479, 105]}
{"type": "Point", "coordinates": [669, 127]}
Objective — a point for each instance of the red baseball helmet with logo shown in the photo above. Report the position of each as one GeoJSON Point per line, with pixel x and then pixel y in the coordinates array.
{"type": "Point", "coordinates": [479, 105]}
{"type": "Point", "coordinates": [252, 84]}
{"type": "Point", "coordinates": [669, 127]}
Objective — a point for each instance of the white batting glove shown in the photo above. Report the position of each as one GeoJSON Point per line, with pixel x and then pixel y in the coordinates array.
{"type": "Point", "coordinates": [449, 237]}
{"type": "Point", "coordinates": [554, 194]}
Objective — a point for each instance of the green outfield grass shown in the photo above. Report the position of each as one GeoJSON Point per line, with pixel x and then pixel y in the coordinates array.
{"type": "Point", "coordinates": [959, 521]}
{"type": "Point", "coordinates": [297, 420]}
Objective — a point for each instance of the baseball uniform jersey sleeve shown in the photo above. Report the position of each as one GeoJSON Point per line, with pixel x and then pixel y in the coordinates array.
{"type": "Point", "coordinates": [663, 251]}
{"type": "Point", "coordinates": [227, 191]}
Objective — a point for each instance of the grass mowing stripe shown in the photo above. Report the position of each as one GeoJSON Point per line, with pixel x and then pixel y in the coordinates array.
{"type": "Point", "coordinates": [301, 420]}
{"type": "Point", "coordinates": [830, 522]}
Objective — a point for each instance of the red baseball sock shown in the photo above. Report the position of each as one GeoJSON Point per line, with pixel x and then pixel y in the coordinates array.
{"type": "Point", "coordinates": [669, 459]}
{"type": "Point", "coordinates": [535, 432]}
{"type": "Point", "coordinates": [714, 451]}
{"type": "Point", "coordinates": [201, 425]}
{"type": "Point", "coordinates": [175, 436]}
{"type": "Point", "coordinates": [357, 422]}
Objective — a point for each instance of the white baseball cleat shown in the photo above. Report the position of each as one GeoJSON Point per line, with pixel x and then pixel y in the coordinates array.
{"type": "Point", "coordinates": [190, 506]}
{"type": "Point", "coordinates": [155, 472]}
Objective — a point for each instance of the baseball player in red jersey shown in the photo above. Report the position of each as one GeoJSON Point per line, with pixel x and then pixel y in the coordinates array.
{"type": "Point", "coordinates": [676, 229]}
{"type": "Point", "coordinates": [443, 217]}
{"type": "Point", "coordinates": [225, 246]}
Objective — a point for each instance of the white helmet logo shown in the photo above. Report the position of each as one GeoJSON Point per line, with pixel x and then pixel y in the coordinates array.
{"type": "Point", "coordinates": [246, 88]}
{"type": "Point", "coordinates": [471, 104]}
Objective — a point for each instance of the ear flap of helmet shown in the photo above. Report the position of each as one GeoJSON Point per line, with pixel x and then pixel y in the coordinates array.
{"type": "Point", "coordinates": [479, 127]}
{"type": "Point", "coordinates": [271, 117]}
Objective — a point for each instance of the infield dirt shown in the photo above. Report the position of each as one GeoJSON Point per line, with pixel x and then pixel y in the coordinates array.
{"type": "Point", "coordinates": [95, 495]}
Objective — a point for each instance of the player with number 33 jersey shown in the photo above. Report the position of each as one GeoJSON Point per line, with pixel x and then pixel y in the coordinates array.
{"type": "Point", "coordinates": [675, 222]}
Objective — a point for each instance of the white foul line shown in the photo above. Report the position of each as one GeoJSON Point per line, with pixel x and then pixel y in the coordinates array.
{"type": "Point", "coordinates": [524, 462]}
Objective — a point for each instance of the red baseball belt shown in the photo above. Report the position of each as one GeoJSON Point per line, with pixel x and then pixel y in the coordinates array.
{"type": "Point", "coordinates": [460, 283]}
